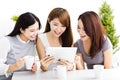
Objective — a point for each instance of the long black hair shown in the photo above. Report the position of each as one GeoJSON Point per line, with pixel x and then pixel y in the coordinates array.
{"type": "Point", "coordinates": [24, 21]}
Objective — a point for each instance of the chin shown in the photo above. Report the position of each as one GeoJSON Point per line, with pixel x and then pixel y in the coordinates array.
{"type": "Point", "coordinates": [83, 39]}
{"type": "Point", "coordinates": [33, 39]}
{"type": "Point", "coordinates": [57, 35]}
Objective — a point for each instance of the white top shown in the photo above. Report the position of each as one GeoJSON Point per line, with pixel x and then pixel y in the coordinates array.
{"type": "Point", "coordinates": [4, 49]}
{"type": "Point", "coordinates": [43, 38]}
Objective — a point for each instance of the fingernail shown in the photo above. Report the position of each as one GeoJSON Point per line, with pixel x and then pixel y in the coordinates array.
{"type": "Point", "coordinates": [59, 59]}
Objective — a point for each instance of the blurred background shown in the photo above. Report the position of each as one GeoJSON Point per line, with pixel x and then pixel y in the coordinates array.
{"type": "Point", "coordinates": [42, 8]}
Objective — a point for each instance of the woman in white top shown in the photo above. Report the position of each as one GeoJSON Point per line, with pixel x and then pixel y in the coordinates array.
{"type": "Point", "coordinates": [57, 33]}
{"type": "Point", "coordinates": [19, 43]}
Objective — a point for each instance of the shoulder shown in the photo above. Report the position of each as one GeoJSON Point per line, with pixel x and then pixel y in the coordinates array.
{"type": "Point", "coordinates": [107, 44]}
{"type": "Point", "coordinates": [4, 42]}
{"type": "Point", "coordinates": [77, 43]}
{"type": "Point", "coordinates": [41, 35]}
{"type": "Point", "coordinates": [4, 39]}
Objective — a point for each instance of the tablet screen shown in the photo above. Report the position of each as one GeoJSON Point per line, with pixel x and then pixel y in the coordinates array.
{"type": "Point", "coordinates": [67, 53]}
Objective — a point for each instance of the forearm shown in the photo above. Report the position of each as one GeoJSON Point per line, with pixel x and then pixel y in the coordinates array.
{"type": "Point", "coordinates": [79, 66]}
{"type": "Point", "coordinates": [12, 68]}
{"type": "Point", "coordinates": [43, 68]}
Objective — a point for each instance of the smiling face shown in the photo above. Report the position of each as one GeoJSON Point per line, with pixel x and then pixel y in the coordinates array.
{"type": "Point", "coordinates": [81, 31]}
{"type": "Point", "coordinates": [56, 27]}
{"type": "Point", "coordinates": [30, 33]}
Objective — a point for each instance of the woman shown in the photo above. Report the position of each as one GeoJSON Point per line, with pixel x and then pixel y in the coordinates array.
{"type": "Point", "coordinates": [57, 33]}
{"type": "Point", "coordinates": [18, 44]}
{"type": "Point", "coordinates": [94, 47]}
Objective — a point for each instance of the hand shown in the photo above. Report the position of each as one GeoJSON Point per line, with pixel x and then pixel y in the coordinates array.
{"type": "Point", "coordinates": [19, 63]}
{"type": "Point", "coordinates": [77, 59]}
{"type": "Point", "coordinates": [45, 62]}
{"type": "Point", "coordinates": [79, 62]}
{"type": "Point", "coordinates": [34, 67]}
{"type": "Point", "coordinates": [69, 65]}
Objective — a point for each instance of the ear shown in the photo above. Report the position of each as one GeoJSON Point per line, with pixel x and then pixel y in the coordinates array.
{"type": "Point", "coordinates": [21, 30]}
{"type": "Point", "coordinates": [48, 20]}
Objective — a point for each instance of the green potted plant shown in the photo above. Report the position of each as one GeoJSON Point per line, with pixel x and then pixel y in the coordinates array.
{"type": "Point", "coordinates": [105, 13]}
{"type": "Point", "coordinates": [14, 18]}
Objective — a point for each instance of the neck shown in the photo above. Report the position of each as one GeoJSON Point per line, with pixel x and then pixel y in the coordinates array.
{"type": "Point", "coordinates": [53, 41]}
{"type": "Point", "coordinates": [87, 42]}
{"type": "Point", "coordinates": [52, 37]}
{"type": "Point", "coordinates": [22, 37]}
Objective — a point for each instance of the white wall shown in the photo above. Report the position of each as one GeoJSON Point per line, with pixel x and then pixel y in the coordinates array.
{"type": "Point", "coordinates": [42, 8]}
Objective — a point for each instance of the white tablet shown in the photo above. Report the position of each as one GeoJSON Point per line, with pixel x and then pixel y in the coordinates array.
{"type": "Point", "coordinates": [67, 53]}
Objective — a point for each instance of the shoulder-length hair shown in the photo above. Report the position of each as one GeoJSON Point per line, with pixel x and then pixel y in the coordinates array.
{"type": "Point", "coordinates": [94, 29]}
{"type": "Point", "coordinates": [62, 14]}
{"type": "Point", "coordinates": [24, 21]}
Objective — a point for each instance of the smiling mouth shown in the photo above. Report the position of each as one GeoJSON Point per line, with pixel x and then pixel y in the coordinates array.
{"type": "Point", "coordinates": [82, 36]}
{"type": "Point", "coordinates": [58, 33]}
{"type": "Point", "coordinates": [33, 37]}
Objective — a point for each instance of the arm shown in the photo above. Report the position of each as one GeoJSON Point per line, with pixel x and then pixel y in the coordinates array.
{"type": "Point", "coordinates": [3, 55]}
{"type": "Point", "coordinates": [45, 61]}
{"type": "Point", "coordinates": [108, 59]}
{"type": "Point", "coordinates": [107, 52]}
{"type": "Point", "coordinates": [40, 48]}
{"type": "Point", "coordinates": [79, 62]}
{"type": "Point", "coordinates": [18, 65]}
{"type": "Point", "coordinates": [78, 58]}
{"type": "Point", "coordinates": [4, 68]}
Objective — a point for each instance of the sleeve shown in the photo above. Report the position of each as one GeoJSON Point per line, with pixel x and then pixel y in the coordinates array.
{"type": "Point", "coordinates": [107, 44]}
{"type": "Point", "coordinates": [4, 48]}
{"type": "Point", "coordinates": [44, 40]}
{"type": "Point", "coordinates": [77, 44]}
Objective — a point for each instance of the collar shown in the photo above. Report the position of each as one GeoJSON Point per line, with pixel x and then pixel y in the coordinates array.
{"type": "Point", "coordinates": [18, 37]}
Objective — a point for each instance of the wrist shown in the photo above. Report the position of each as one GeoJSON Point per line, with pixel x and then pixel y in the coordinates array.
{"type": "Point", "coordinates": [44, 68]}
{"type": "Point", "coordinates": [79, 66]}
{"type": "Point", "coordinates": [12, 68]}
{"type": "Point", "coordinates": [71, 68]}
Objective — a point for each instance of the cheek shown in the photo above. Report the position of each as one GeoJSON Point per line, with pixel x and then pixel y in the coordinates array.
{"type": "Point", "coordinates": [52, 27]}
{"type": "Point", "coordinates": [63, 29]}
{"type": "Point", "coordinates": [78, 31]}
{"type": "Point", "coordinates": [29, 34]}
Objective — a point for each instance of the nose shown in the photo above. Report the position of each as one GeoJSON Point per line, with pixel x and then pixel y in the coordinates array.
{"type": "Point", "coordinates": [59, 28]}
{"type": "Point", "coordinates": [36, 32]}
{"type": "Point", "coordinates": [80, 31]}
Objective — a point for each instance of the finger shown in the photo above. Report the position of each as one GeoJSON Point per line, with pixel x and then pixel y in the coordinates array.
{"type": "Point", "coordinates": [48, 59]}
{"type": "Point", "coordinates": [49, 62]}
{"type": "Point", "coordinates": [64, 61]}
{"type": "Point", "coordinates": [61, 63]}
{"type": "Point", "coordinates": [45, 58]}
{"type": "Point", "coordinates": [34, 68]}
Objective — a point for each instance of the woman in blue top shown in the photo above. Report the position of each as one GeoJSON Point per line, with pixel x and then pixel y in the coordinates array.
{"type": "Point", "coordinates": [19, 43]}
{"type": "Point", "coordinates": [94, 47]}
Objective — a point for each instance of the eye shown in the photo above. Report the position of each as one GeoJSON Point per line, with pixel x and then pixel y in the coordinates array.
{"type": "Point", "coordinates": [32, 30]}
{"type": "Point", "coordinates": [55, 24]}
{"type": "Point", "coordinates": [78, 27]}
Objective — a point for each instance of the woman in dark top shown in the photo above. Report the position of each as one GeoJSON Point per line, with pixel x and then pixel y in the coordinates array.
{"type": "Point", "coordinates": [94, 47]}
